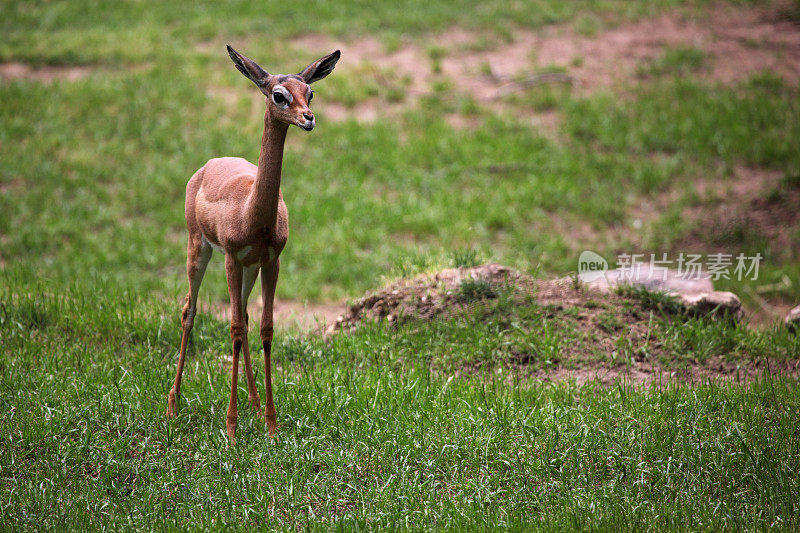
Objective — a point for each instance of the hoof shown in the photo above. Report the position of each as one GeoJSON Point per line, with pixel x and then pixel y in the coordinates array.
{"type": "Point", "coordinates": [171, 407]}
{"type": "Point", "coordinates": [231, 430]}
{"type": "Point", "coordinates": [272, 423]}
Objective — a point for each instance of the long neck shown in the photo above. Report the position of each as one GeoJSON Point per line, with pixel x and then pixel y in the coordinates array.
{"type": "Point", "coordinates": [262, 205]}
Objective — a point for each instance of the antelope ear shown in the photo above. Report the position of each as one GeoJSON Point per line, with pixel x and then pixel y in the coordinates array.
{"type": "Point", "coordinates": [320, 68]}
{"type": "Point", "coordinates": [248, 67]}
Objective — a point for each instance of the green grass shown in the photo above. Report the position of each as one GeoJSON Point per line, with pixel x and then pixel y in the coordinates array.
{"type": "Point", "coordinates": [90, 32]}
{"type": "Point", "coordinates": [679, 60]}
{"type": "Point", "coordinates": [387, 189]}
{"type": "Point", "coordinates": [116, 149]}
{"type": "Point", "coordinates": [375, 430]}
{"type": "Point", "coordinates": [432, 424]}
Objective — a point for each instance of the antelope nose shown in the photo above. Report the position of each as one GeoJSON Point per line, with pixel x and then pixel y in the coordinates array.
{"type": "Point", "coordinates": [308, 115]}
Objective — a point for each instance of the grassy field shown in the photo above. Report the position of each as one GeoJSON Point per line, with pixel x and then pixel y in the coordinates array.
{"type": "Point", "coordinates": [376, 432]}
{"type": "Point", "coordinates": [426, 425]}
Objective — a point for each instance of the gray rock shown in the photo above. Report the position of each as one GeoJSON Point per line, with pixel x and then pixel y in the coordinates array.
{"type": "Point", "coordinates": [656, 280]}
{"type": "Point", "coordinates": [718, 303]}
{"type": "Point", "coordinates": [695, 291]}
{"type": "Point", "coordinates": [793, 319]}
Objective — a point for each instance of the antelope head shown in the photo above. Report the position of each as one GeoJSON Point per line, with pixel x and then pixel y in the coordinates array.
{"type": "Point", "coordinates": [288, 95]}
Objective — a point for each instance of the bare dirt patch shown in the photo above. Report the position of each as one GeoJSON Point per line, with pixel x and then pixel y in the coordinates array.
{"type": "Point", "coordinates": [289, 313]}
{"type": "Point", "coordinates": [745, 182]}
{"type": "Point", "coordinates": [754, 211]}
{"type": "Point", "coordinates": [646, 373]}
{"type": "Point", "coordinates": [738, 41]}
{"type": "Point", "coordinates": [47, 74]}
{"type": "Point", "coordinates": [757, 206]}
{"type": "Point", "coordinates": [734, 193]}
{"type": "Point", "coordinates": [649, 373]}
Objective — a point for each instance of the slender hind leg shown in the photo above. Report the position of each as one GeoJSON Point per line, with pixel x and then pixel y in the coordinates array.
{"type": "Point", "coordinates": [248, 280]}
{"type": "Point", "coordinates": [197, 256]}
{"type": "Point", "coordinates": [269, 278]}
{"type": "Point", "coordinates": [233, 270]}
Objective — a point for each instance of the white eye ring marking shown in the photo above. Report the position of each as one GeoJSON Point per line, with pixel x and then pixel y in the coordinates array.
{"type": "Point", "coordinates": [281, 97]}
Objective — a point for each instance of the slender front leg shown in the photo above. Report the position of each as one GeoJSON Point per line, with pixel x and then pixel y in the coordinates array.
{"type": "Point", "coordinates": [233, 271]}
{"type": "Point", "coordinates": [197, 256]}
{"type": "Point", "coordinates": [269, 278]}
{"type": "Point", "coordinates": [248, 280]}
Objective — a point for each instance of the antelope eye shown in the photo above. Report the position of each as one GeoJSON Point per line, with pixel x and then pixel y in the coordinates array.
{"type": "Point", "coordinates": [279, 98]}
{"type": "Point", "coordinates": [310, 96]}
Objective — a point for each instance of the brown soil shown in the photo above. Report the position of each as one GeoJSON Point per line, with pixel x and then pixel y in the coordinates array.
{"type": "Point", "coordinates": [428, 296]}
{"type": "Point", "coordinates": [708, 198]}
{"type": "Point", "coordinates": [755, 206]}
{"type": "Point", "coordinates": [647, 372]}
{"type": "Point", "coordinates": [48, 74]}
{"type": "Point", "coordinates": [289, 313]}
{"type": "Point", "coordinates": [739, 41]}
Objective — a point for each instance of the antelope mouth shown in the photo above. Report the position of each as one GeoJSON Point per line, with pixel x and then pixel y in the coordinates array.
{"type": "Point", "coordinates": [306, 124]}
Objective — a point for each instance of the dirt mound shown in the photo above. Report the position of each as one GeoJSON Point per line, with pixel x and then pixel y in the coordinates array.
{"type": "Point", "coordinates": [609, 336]}
{"type": "Point", "coordinates": [428, 296]}
{"type": "Point", "coordinates": [454, 290]}
{"type": "Point", "coordinates": [592, 334]}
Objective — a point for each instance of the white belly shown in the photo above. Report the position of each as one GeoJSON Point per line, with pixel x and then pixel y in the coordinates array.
{"type": "Point", "coordinates": [214, 246]}
{"type": "Point", "coordinates": [241, 254]}
{"type": "Point", "coordinates": [244, 252]}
